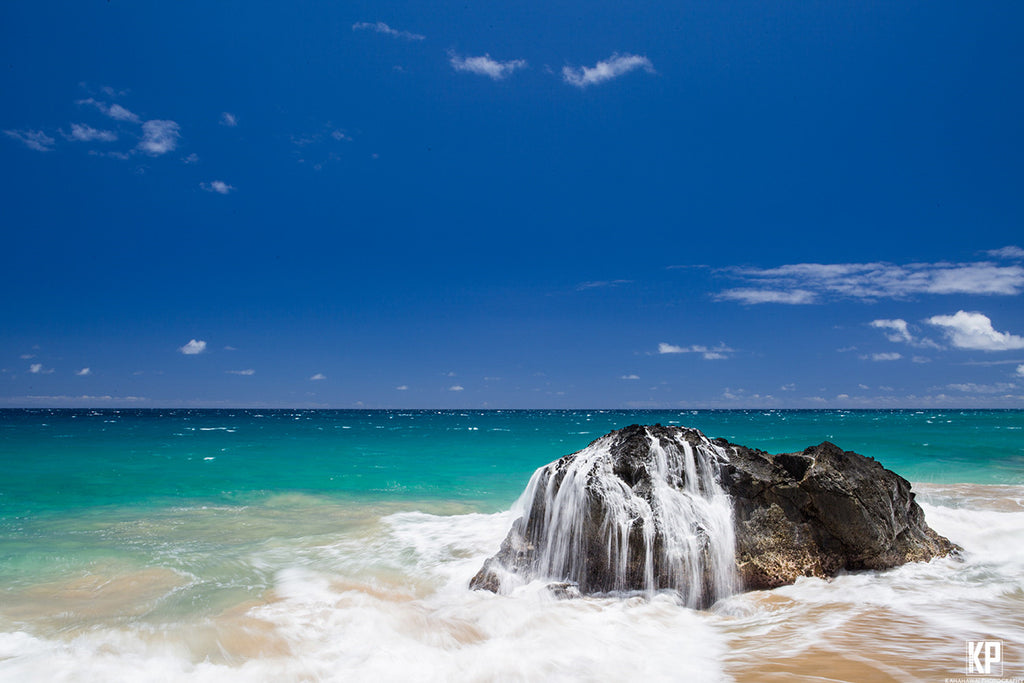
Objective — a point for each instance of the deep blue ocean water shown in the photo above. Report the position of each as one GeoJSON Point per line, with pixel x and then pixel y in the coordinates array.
{"type": "Point", "coordinates": [337, 545]}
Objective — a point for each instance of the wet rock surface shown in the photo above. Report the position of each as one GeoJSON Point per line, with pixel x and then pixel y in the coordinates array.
{"type": "Point", "coordinates": [652, 508]}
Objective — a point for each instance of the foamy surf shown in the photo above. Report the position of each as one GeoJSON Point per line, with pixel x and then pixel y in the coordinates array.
{"type": "Point", "coordinates": [389, 601]}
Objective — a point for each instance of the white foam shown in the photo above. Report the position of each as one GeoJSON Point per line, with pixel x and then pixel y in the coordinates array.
{"type": "Point", "coordinates": [355, 608]}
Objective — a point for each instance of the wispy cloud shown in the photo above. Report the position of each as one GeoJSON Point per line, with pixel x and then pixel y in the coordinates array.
{"type": "Point", "coordinates": [218, 186]}
{"type": "Point", "coordinates": [804, 283]}
{"type": "Point", "coordinates": [228, 119]}
{"type": "Point", "coordinates": [709, 353]}
{"type": "Point", "coordinates": [248, 372]}
{"type": "Point", "coordinates": [33, 139]}
{"type": "Point", "coordinates": [84, 399]}
{"type": "Point", "coordinates": [630, 377]}
{"type": "Point", "coordinates": [456, 387]}
{"type": "Point", "coordinates": [38, 369]}
{"type": "Point", "coordinates": [318, 376]}
{"type": "Point", "coordinates": [1009, 253]}
{"type": "Point", "coordinates": [114, 111]}
{"type": "Point", "coordinates": [973, 388]}
{"type": "Point", "coordinates": [84, 372]}
{"type": "Point", "coordinates": [81, 132]}
{"type": "Point", "coordinates": [883, 357]}
{"type": "Point", "coordinates": [402, 387]}
{"type": "Point", "coordinates": [485, 66]}
{"type": "Point", "coordinates": [1020, 370]}
{"type": "Point", "coordinates": [613, 67]}
{"type": "Point", "coordinates": [974, 331]}
{"type": "Point", "coordinates": [769, 296]}
{"type": "Point", "coordinates": [600, 284]}
{"type": "Point", "coordinates": [898, 330]}
{"type": "Point", "coordinates": [193, 348]}
{"type": "Point", "coordinates": [159, 137]}
{"type": "Point", "coordinates": [384, 29]}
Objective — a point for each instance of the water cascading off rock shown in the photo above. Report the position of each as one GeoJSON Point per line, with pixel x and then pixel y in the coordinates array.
{"type": "Point", "coordinates": [642, 513]}
{"type": "Point", "coordinates": [665, 508]}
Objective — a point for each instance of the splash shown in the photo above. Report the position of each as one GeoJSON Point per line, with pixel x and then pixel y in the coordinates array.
{"type": "Point", "coordinates": [614, 518]}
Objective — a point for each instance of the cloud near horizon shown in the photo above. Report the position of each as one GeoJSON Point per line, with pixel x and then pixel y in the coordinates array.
{"type": "Point", "coordinates": [717, 353]}
{"type": "Point", "coordinates": [613, 67]}
{"type": "Point", "coordinates": [974, 331]}
{"type": "Point", "coordinates": [808, 283]}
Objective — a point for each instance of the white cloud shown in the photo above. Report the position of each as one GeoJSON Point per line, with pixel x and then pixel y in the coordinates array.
{"type": "Point", "coordinates": [485, 66]}
{"type": "Point", "coordinates": [715, 353]}
{"type": "Point", "coordinates": [402, 387]}
{"type": "Point", "coordinates": [455, 387]}
{"type": "Point", "coordinates": [788, 387]}
{"type": "Point", "coordinates": [191, 158]}
{"type": "Point", "coordinates": [974, 331]}
{"type": "Point", "coordinates": [899, 333]}
{"type": "Point", "coordinates": [341, 136]}
{"type": "Point", "coordinates": [159, 137]}
{"type": "Point", "coordinates": [27, 356]}
{"type": "Point", "coordinates": [228, 119]}
{"type": "Point", "coordinates": [381, 27]}
{"type": "Point", "coordinates": [33, 139]}
{"type": "Point", "coordinates": [35, 368]}
{"type": "Point", "coordinates": [613, 67]}
{"type": "Point", "coordinates": [972, 388]}
{"type": "Point", "coordinates": [768, 296]}
{"type": "Point", "coordinates": [1010, 252]}
{"type": "Point", "coordinates": [1020, 370]}
{"type": "Point", "coordinates": [194, 347]}
{"type": "Point", "coordinates": [84, 372]}
{"type": "Point", "coordinates": [803, 283]}
{"type": "Point", "coordinates": [81, 132]}
{"type": "Point", "coordinates": [882, 357]}
{"type": "Point", "coordinates": [598, 284]}
{"type": "Point", "coordinates": [248, 372]}
{"type": "Point", "coordinates": [318, 376]}
{"type": "Point", "coordinates": [114, 111]}
{"type": "Point", "coordinates": [218, 186]}
{"type": "Point", "coordinates": [630, 377]}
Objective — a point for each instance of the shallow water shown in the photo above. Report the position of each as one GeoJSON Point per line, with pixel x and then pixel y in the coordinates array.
{"type": "Point", "coordinates": [304, 583]}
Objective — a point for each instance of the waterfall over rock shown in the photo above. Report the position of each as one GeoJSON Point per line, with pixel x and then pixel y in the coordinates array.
{"type": "Point", "coordinates": [636, 510]}
{"type": "Point", "coordinates": [665, 508]}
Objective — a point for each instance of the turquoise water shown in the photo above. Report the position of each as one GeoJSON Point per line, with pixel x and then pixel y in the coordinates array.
{"type": "Point", "coordinates": [57, 460]}
{"type": "Point", "coordinates": [337, 545]}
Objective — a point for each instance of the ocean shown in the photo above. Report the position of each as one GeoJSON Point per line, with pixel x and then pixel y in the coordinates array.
{"type": "Point", "coordinates": [280, 545]}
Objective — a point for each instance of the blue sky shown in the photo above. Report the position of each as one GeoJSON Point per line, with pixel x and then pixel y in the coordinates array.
{"type": "Point", "coordinates": [529, 204]}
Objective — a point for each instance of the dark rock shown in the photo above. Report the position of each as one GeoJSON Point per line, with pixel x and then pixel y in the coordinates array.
{"type": "Point", "coordinates": [652, 508]}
